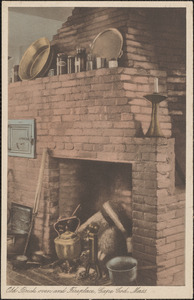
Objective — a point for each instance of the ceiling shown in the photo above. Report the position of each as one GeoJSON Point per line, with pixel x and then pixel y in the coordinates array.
{"type": "Point", "coordinates": [53, 13]}
{"type": "Point", "coordinates": [27, 24]}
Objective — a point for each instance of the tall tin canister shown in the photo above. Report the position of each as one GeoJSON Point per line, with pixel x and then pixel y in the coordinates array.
{"type": "Point", "coordinates": [89, 63]}
{"type": "Point", "coordinates": [70, 64]}
{"type": "Point", "coordinates": [80, 60]}
{"type": "Point", "coordinates": [15, 73]}
{"type": "Point", "coordinates": [61, 64]}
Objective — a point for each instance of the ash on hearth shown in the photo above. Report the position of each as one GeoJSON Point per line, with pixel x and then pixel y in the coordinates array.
{"type": "Point", "coordinates": [75, 269]}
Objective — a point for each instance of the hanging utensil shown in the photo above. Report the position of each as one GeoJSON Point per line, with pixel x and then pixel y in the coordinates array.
{"type": "Point", "coordinates": [108, 44]}
{"type": "Point", "coordinates": [36, 60]}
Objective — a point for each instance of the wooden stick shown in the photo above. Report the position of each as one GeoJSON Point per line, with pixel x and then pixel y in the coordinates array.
{"type": "Point", "coordinates": [114, 217]}
{"type": "Point", "coordinates": [75, 210]}
{"type": "Point", "coordinates": [37, 197]}
{"type": "Point", "coordinates": [40, 179]}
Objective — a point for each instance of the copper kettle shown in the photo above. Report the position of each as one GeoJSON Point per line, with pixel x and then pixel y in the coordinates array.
{"type": "Point", "coordinates": [68, 245]}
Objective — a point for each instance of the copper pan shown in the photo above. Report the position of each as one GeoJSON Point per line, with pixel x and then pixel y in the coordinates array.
{"type": "Point", "coordinates": [108, 44]}
{"type": "Point", "coordinates": [36, 60]}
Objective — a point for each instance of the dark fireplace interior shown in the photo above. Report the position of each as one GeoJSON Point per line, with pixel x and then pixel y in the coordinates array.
{"type": "Point", "coordinates": [90, 184]}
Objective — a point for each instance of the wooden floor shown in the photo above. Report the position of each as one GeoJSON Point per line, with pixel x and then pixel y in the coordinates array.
{"type": "Point", "coordinates": [41, 276]}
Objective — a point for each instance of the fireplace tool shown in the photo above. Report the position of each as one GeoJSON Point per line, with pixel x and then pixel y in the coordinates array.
{"type": "Point", "coordinates": [93, 244]}
{"type": "Point", "coordinates": [22, 259]}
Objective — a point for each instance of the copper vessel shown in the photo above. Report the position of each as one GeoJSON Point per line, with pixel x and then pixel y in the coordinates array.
{"type": "Point", "coordinates": [108, 44]}
{"type": "Point", "coordinates": [68, 245]}
{"type": "Point", "coordinates": [37, 60]}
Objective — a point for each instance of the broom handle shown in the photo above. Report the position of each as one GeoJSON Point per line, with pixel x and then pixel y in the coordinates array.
{"type": "Point", "coordinates": [37, 197]}
{"type": "Point", "coordinates": [29, 233]}
{"type": "Point", "coordinates": [40, 179]}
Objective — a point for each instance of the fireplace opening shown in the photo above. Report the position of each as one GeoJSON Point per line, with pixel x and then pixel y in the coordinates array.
{"type": "Point", "coordinates": [91, 184]}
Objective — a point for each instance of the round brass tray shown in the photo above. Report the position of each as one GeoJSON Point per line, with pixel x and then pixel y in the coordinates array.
{"type": "Point", "coordinates": [36, 60]}
{"type": "Point", "coordinates": [108, 44]}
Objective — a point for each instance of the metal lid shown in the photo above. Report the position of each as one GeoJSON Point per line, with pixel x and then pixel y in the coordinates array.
{"type": "Point", "coordinates": [63, 55]}
{"type": "Point", "coordinates": [89, 56]}
{"type": "Point", "coordinates": [108, 44]}
{"type": "Point", "coordinates": [68, 235]}
{"type": "Point", "coordinates": [80, 50]}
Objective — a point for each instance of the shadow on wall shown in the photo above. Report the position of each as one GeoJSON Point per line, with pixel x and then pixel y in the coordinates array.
{"type": "Point", "coordinates": [138, 128]}
{"type": "Point", "coordinates": [169, 31]}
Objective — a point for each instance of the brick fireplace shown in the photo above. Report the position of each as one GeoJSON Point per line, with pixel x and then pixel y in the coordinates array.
{"type": "Point", "coordinates": [94, 123]}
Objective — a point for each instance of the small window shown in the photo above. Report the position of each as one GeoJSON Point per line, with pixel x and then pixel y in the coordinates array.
{"type": "Point", "coordinates": [21, 140]}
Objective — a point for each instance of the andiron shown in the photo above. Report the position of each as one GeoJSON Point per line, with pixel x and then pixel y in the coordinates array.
{"type": "Point", "coordinates": [93, 243]}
